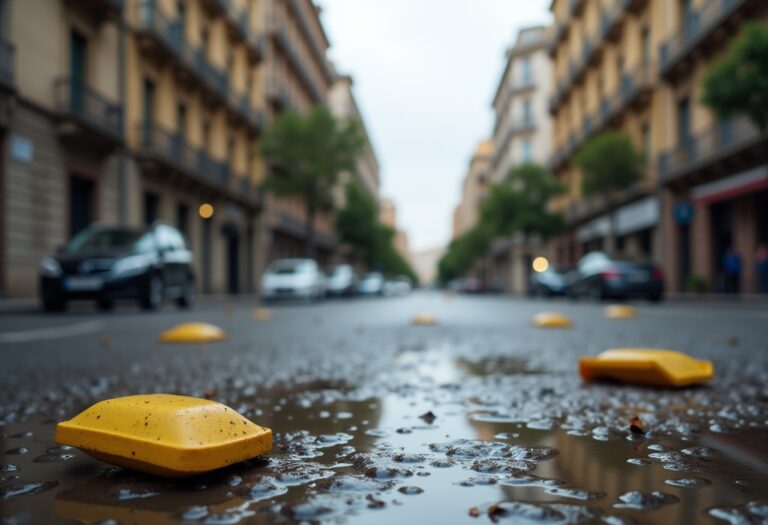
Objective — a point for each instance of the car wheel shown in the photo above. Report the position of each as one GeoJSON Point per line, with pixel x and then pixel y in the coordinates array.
{"type": "Point", "coordinates": [153, 295]}
{"type": "Point", "coordinates": [596, 292]}
{"type": "Point", "coordinates": [51, 305]}
{"type": "Point", "coordinates": [105, 305]}
{"type": "Point", "coordinates": [186, 298]}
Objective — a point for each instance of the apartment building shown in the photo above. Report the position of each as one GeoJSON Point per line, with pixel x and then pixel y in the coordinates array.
{"type": "Point", "coordinates": [298, 77]}
{"type": "Point", "coordinates": [523, 129]}
{"type": "Point", "coordinates": [61, 120]}
{"type": "Point", "coordinates": [342, 103]}
{"type": "Point", "coordinates": [131, 111]}
{"type": "Point", "coordinates": [474, 188]}
{"type": "Point", "coordinates": [636, 66]}
{"type": "Point", "coordinates": [388, 217]}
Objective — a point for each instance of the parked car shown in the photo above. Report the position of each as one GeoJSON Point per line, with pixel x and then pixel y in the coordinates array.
{"type": "Point", "coordinates": [472, 285]}
{"type": "Point", "coordinates": [549, 283]}
{"type": "Point", "coordinates": [293, 279]}
{"type": "Point", "coordinates": [108, 263]}
{"type": "Point", "coordinates": [601, 276]}
{"type": "Point", "coordinates": [397, 286]}
{"type": "Point", "coordinates": [342, 281]}
{"type": "Point", "coordinates": [371, 284]}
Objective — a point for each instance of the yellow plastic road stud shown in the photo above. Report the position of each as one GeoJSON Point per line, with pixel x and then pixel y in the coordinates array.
{"type": "Point", "coordinates": [165, 435]}
{"type": "Point", "coordinates": [261, 314]}
{"type": "Point", "coordinates": [193, 333]}
{"type": "Point", "coordinates": [619, 311]}
{"type": "Point", "coordinates": [551, 320]}
{"type": "Point", "coordinates": [646, 366]}
{"type": "Point", "coordinates": [423, 320]}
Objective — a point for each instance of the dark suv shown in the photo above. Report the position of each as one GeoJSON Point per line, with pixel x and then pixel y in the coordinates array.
{"type": "Point", "coordinates": [107, 263]}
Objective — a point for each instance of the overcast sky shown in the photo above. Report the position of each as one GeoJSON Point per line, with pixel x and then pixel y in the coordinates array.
{"type": "Point", "coordinates": [425, 72]}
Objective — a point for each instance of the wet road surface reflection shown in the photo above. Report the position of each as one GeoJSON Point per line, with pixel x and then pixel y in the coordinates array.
{"type": "Point", "coordinates": [429, 441]}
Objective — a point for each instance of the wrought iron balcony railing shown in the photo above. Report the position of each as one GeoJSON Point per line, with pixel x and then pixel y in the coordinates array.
{"type": "Point", "coordinates": [727, 137]}
{"type": "Point", "coordinates": [697, 25]}
{"type": "Point", "coordinates": [79, 102]}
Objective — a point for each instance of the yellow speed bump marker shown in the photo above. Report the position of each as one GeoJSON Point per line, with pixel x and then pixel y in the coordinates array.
{"type": "Point", "coordinates": [551, 320]}
{"type": "Point", "coordinates": [423, 320]}
{"type": "Point", "coordinates": [261, 314]}
{"type": "Point", "coordinates": [646, 366]}
{"type": "Point", "coordinates": [165, 435]}
{"type": "Point", "coordinates": [193, 333]}
{"type": "Point", "coordinates": [619, 311]}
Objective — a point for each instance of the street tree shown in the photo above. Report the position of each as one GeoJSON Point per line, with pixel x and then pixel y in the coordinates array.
{"type": "Point", "coordinates": [609, 163]}
{"type": "Point", "coordinates": [357, 224]}
{"type": "Point", "coordinates": [737, 84]}
{"type": "Point", "coordinates": [519, 204]}
{"type": "Point", "coordinates": [306, 155]}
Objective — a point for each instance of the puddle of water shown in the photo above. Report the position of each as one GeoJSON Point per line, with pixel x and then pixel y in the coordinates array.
{"type": "Point", "coordinates": [368, 456]}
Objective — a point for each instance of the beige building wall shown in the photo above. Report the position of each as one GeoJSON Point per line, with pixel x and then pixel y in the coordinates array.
{"type": "Point", "coordinates": [474, 187]}
{"type": "Point", "coordinates": [523, 128]}
{"type": "Point", "coordinates": [343, 105]}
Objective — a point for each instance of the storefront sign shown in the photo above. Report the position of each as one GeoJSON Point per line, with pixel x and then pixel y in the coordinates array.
{"type": "Point", "coordinates": [637, 216]}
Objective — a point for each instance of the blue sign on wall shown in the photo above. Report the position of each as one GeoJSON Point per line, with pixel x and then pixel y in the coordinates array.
{"type": "Point", "coordinates": [683, 213]}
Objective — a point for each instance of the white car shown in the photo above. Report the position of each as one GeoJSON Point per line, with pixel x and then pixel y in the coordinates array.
{"type": "Point", "coordinates": [341, 281]}
{"type": "Point", "coordinates": [371, 284]}
{"type": "Point", "coordinates": [292, 279]}
{"type": "Point", "coordinates": [397, 287]}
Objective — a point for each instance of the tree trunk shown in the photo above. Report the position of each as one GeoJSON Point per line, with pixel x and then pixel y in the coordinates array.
{"type": "Point", "coordinates": [309, 228]}
{"type": "Point", "coordinates": [610, 238]}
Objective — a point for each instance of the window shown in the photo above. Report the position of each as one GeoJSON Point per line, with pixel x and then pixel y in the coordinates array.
{"type": "Point", "coordinates": [684, 123]}
{"type": "Point", "coordinates": [527, 76]}
{"type": "Point", "coordinates": [646, 46]}
{"type": "Point", "coordinates": [181, 120]}
{"type": "Point", "coordinates": [646, 132]}
{"type": "Point", "coordinates": [182, 218]}
{"type": "Point", "coordinates": [147, 111]}
{"type": "Point", "coordinates": [527, 150]}
{"type": "Point", "coordinates": [527, 112]}
{"type": "Point", "coordinates": [77, 70]}
{"type": "Point", "coordinates": [151, 207]}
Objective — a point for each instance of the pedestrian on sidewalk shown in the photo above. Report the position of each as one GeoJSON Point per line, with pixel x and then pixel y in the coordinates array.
{"type": "Point", "coordinates": [761, 265]}
{"type": "Point", "coordinates": [732, 267]}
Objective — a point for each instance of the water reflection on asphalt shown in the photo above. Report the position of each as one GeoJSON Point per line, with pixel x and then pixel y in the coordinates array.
{"type": "Point", "coordinates": [373, 455]}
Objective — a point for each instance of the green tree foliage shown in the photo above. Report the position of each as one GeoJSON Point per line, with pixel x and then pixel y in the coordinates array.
{"type": "Point", "coordinates": [357, 224]}
{"type": "Point", "coordinates": [609, 162]}
{"type": "Point", "coordinates": [519, 204]}
{"type": "Point", "coordinates": [306, 154]}
{"type": "Point", "coordinates": [738, 82]}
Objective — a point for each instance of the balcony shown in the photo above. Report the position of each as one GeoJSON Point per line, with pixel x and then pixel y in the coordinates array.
{"type": "Point", "coordinates": [698, 28]}
{"type": "Point", "coordinates": [730, 142]}
{"type": "Point", "coordinates": [100, 9]}
{"type": "Point", "coordinates": [87, 118]}
{"type": "Point", "coordinates": [283, 41]}
{"type": "Point", "coordinates": [253, 118]}
{"type": "Point", "coordinates": [513, 129]}
{"type": "Point", "coordinates": [317, 51]}
{"type": "Point", "coordinates": [278, 95]}
{"type": "Point", "coordinates": [7, 66]}
{"type": "Point", "coordinates": [163, 38]}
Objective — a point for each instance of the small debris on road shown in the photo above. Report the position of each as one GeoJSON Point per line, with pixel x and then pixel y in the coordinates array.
{"type": "Point", "coordinates": [636, 425]}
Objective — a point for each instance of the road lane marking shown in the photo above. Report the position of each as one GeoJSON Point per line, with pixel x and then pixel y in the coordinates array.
{"type": "Point", "coordinates": [54, 332]}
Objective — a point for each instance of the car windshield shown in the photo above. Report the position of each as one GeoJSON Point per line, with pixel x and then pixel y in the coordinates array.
{"type": "Point", "coordinates": [371, 276]}
{"type": "Point", "coordinates": [90, 241]}
{"type": "Point", "coordinates": [288, 268]}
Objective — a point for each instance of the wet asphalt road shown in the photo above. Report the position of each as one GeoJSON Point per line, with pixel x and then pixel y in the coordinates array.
{"type": "Point", "coordinates": [517, 438]}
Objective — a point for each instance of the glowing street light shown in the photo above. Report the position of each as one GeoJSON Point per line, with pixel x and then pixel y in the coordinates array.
{"type": "Point", "coordinates": [206, 211]}
{"type": "Point", "coordinates": [540, 264]}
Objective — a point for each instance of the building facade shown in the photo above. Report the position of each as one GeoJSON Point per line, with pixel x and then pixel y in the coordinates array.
{"type": "Point", "coordinates": [131, 111]}
{"type": "Point", "coordinates": [388, 217]}
{"type": "Point", "coordinates": [636, 66]}
{"type": "Point", "coordinates": [342, 103]}
{"type": "Point", "coordinates": [474, 188]}
{"type": "Point", "coordinates": [523, 128]}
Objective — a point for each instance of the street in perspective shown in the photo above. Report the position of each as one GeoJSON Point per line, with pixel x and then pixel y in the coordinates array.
{"type": "Point", "coordinates": [325, 261]}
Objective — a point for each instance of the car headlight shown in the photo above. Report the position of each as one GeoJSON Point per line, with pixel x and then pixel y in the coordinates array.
{"type": "Point", "coordinates": [130, 265]}
{"type": "Point", "coordinates": [50, 267]}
